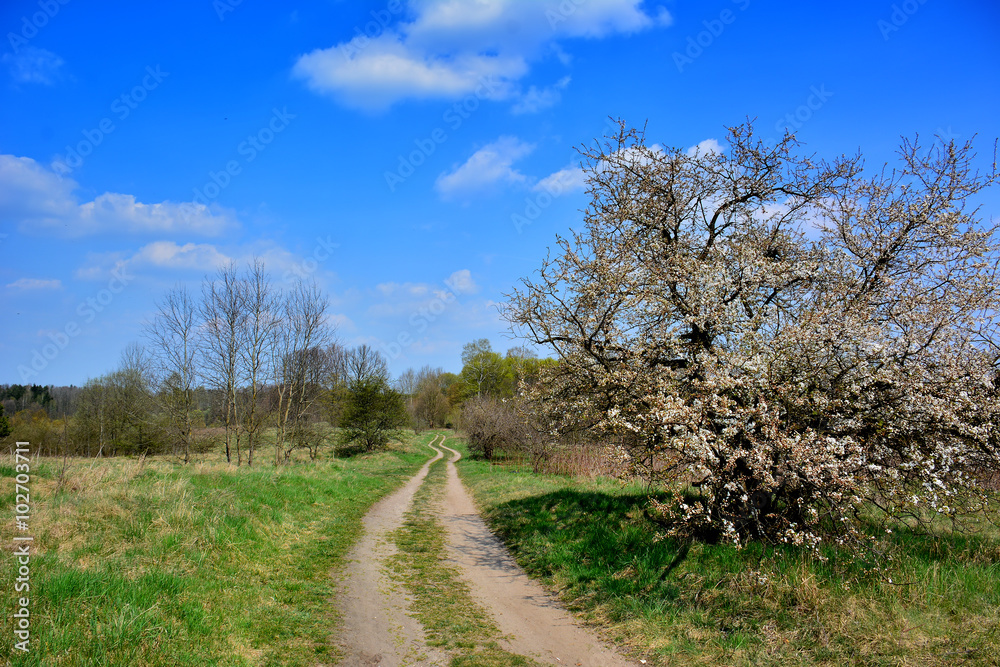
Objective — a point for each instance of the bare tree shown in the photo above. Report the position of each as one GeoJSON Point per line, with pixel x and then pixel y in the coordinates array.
{"type": "Point", "coordinates": [172, 336]}
{"type": "Point", "coordinates": [257, 337]}
{"type": "Point", "coordinates": [224, 314]}
{"type": "Point", "coordinates": [797, 382]}
{"type": "Point", "coordinates": [406, 385]}
{"type": "Point", "coordinates": [299, 363]}
{"type": "Point", "coordinates": [366, 363]}
{"type": "Point", "coordinates": [430, 404]}
{"type": "Point", "coordinates": [493, 426]}
{"type": "Point", "coordinates": [335, 382]}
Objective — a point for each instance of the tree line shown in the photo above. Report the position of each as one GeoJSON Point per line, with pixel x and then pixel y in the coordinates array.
{"type": "Point", "coordinates": [245, 363]}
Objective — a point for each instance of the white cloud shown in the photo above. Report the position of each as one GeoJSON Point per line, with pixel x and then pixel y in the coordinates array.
{"type": "Point", "coordinates": [33, 65]}
{"type": "Point", "coordinates": [409, 289]}
{"type": "Point", "coordinates": [663, 17]}
{"type": "Point", "coordinates": [34, 283]}
{"type": "Point", "coordinates": [41, 201]}
{"type": "Point", "coordinates": [170, 255]}
{"type": "Point", "coordinates": [461, 282]}
{"type": "Point", "coordinates": [342, 323]}
{"type": "Point", "coordinates": [537, 99]}
{"type": "Point", "coordinates": [490, 164]}
{"type": "Point", "coordinates": [450, 47]}
{"type": "Point", "coordinates": [385, 70]}
{"type": "Point", "coordinates": [158, 257]}
{"type": "Point", "coordinates": [399, 301]}
{"type": "Point", "coordinates": [563, 181]}
{"type": "Point", "coordinates": [515, 24]}
{"type": "Point", "coordinates": [705, 147]}
{"type": "Point", "coordinates": [201, 257]}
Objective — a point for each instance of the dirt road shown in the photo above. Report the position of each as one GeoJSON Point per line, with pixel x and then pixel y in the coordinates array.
{"type": "Point", "coordinates": [377, 629]}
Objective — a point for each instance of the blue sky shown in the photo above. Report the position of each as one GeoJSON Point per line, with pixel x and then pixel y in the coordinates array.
{"type": "Point", "coordinates": [394, 151]}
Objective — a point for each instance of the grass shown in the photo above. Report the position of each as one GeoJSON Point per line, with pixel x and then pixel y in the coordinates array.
{"type": "Point", "coordinates": [144, 562]}
{"type": "Point", "coordinates": [441, 600]}
{"type": "Point", "coordinates": [937, 602]}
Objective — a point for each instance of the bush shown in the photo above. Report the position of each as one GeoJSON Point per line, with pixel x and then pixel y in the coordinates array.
{"type": "Point", "coordinates": [493, 425]}
{"type": "Point", "coordinates": [374, 413]}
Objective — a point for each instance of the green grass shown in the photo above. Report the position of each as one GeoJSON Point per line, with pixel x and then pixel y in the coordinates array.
{"type": "Point", "coordinates": [152, 563]}
{"type": "Point", "coordinates": [441, 600]}
{"type": "Point", "coordinates": [590, 541]}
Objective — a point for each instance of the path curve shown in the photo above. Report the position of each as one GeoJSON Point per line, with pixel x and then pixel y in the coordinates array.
{"type": "Point", "coordinates": [535, 624]}
{"type": "Point", "coordinates": [376, 629]}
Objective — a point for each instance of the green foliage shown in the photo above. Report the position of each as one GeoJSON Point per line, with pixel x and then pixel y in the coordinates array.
{"type": "Point", "coordinates": [4, 424]}
{"type": "Point", "coordinates": [486, 373]}
{"type": "Point", "coordinates": [374, 413]}
{"type": "Point", "coordinates": [24, 395]}
{"type": "Point", "coordinates": [115, 415]}
{"type": "Point", "coordinates": [34, 426]}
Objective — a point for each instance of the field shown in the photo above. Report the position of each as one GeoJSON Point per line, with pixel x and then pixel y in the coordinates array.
{"type": "Point", "coordinates": [145, 562]}
{"type": "Point", "coordinates": [936, 601]}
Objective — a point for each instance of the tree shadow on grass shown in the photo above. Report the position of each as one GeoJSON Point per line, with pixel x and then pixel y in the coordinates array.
{"type": "Point", "coordinates": [351, 450]}
{"type": "Point", "coordinates": [586, 536]}
{"type": "Point", "coordinates": [607, 544]}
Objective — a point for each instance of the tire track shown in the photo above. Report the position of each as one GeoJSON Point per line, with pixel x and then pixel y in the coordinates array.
{"type": "Point", "coordinates": [376, 628]}
{"type": "Point", "coordinates": [534, 623]}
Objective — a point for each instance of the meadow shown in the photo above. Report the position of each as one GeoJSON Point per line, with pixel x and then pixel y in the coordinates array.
{"type": "Point", "coordinates": [141, 561]}
{"type": "Point", "coordinates": [915, 599]}
{"type": "Point", "coordinates": [147, 562]}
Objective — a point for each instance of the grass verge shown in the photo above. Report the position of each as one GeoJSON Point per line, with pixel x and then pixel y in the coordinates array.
{"type": "Point", "coordinates": [144, 562]}
{"type": "Point", "coordinates": [938, 603]}
{"type": "Point", "coordinates": [441, 600]}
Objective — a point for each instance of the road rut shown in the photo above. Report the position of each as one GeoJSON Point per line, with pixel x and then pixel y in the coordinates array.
{"type": "Point", "coordinates": [377, 628]}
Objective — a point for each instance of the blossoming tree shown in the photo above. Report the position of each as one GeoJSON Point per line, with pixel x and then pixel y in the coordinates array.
{"type": "Point", "coordinates": [806, 345]}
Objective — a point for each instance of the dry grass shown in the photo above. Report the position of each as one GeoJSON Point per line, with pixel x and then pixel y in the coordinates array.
{"type": "Point", "coordinates": [147, 562]}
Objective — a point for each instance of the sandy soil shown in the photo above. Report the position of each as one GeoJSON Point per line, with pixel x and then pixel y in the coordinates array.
{"type": "Point", "coordinates": [535, 624]}
{"type": "Point", "coordinates": [377, 629]}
